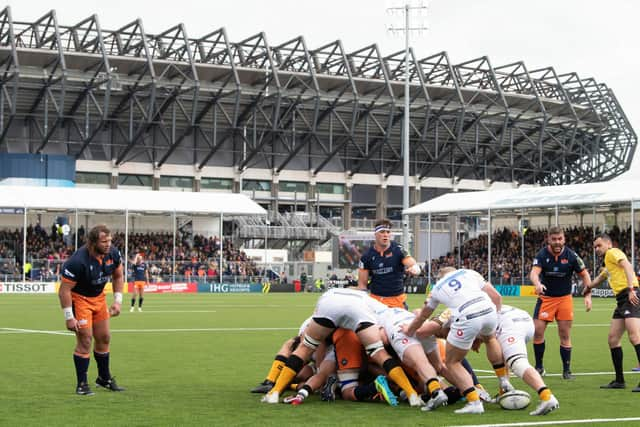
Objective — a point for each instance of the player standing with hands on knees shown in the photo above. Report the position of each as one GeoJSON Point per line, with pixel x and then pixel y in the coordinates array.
{"type": "Point", "coordinates": [83, 301]}
{"type": "Point", "coordinates": [385, 263]}
{"type": "Point", "coordinates": [551, 274]}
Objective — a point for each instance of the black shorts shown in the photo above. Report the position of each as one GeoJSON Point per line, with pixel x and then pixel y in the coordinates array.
{"type": "Point", "coordinates": [624, 309]}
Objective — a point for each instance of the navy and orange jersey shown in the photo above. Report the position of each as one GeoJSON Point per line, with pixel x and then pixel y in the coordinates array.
{"type": "Point", "coordinates": [90, 275]}
{"type": "Point", "coordinates": [139, 272]}
{"type": "Point", "coordinates": [386, 269]}
{"type": "Point", "coordinates": [557, 270]}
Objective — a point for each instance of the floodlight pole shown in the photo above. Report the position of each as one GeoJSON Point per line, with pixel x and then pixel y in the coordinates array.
{"type": "Point", "coordinates": [406, 10]}
{"type": "Point", "coordinates": [266, 247]}
{"type": "Point", "coordinates": [405, 134]}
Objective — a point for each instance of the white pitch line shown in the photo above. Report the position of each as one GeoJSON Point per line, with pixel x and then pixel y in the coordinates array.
{"type": "Point", "coordinates": [179, 311]}
{"type": "Point", "coordinates": [578, 374]}
{"type": "Point", "coordinates": [36, 331]}
{"type": "Point", "coordinates": [554, 423]}
{"type": "Point", "coordinates": [33, 331]}
{"type": "Point", "coordinates": [204, 330]}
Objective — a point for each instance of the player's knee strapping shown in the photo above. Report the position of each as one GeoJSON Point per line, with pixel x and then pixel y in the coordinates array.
{"type": "Point", "coordinates": [374, 348]}
{"type": "Point", "coordinates": [518, 364]}
{"type": "Point", "coordinates": [310, 342]}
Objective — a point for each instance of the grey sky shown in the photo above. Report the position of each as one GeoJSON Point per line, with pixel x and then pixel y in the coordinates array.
{"type": "Point", "coordinates": [592, 38]}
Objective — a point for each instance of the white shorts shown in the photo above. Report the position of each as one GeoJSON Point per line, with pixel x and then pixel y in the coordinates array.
{"type": "Point", "coordinates": [391, 319]}
{"type": "Point", "coordinates": [346, 308]}
{"type": "Point", "coordinates": [515, 330]}
{"type": "Point", "coordinates": [430, 344]}
{"type": "Point", "coordinates": [476, 320]}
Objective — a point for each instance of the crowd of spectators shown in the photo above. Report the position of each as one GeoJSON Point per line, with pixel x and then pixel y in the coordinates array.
{"type": "Point", "coordinates": [506, 251]}
{"type": "Point", "coordinates": [197, 256]}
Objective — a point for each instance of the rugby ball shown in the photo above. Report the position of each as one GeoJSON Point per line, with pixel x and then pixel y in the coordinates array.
{"type": "Point", "coordinates": [515, 399]}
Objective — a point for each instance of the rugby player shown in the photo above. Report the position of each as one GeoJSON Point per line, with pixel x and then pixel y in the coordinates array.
{"type": "Point", "coordinates": [83, 301]}
{"type": "Point", "coordinates": [140, 279]}
{"type": "Point", "coordinates": [385, 263]}
{"type": "Point", "coordinates": [515, 330]}
{"type": "Point", "coordinates": [411, 351]}
{"type": "Point", "coordinates": [346, 308]}
{"type": "Point", "coordinates": [474, 303]}
{"type": "Point", "coordinates": [551, 274]}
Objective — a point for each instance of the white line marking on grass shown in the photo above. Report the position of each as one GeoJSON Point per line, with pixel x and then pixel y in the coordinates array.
{"type": "Point", "coordinates": [178, 311]}
{"type": "Point", "coordinates": [204, 330]}
{"type": "Point", "coordinates": [582, 374]}
{"type": "Point", "coordinates": [33, 331]}
{"type": "Point", "coordinates": [584, 325]}
{"type": "Point", "coordinates": [156, 303]}
{"type": "Point", "coordinates": [36, 331]}
{"type": "Point", "coordinates": [554, 423]}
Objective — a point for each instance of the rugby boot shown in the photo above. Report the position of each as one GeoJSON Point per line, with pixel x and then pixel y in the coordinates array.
{"type": "Point", "coordinates": [484, 394]}
{"type": "Point", "coordinates": [109, 384]}
{"type": "Point", "coordinates": [471, 408]}
{"type": "Point", "coordinates": [438, 398]}
{"type": "Point", "coordinates": [415, 400]}
{"type": "Point", "coordinates": [271, 397]}
{"type": "Point", "coordinates": [636, 389]}
{"type": "Point", "coordinates": [328, 392]}
{"type": "Point", "coordinates": [567, 375]}
{"type": "Point", "coordinates": [382, 386]}
{"type": "Point", "coordinates": [546, 406]}
{"type": "Point", "coordinates": [83, 390]}
{"type": "Point", "coordinates": [263, 387]}
{"type": "Point", "coordinates": [294, 400]}
{"type": "Point", "coordinates": [614, 384]}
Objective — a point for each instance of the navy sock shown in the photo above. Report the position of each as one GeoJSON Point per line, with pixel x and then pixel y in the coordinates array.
{"type": "Point", "coordinates": [637, 347]}
{"type": "Point", "coordinates": [82, 366]}
{"type": "Point", "coordinates": [565, 355]}
{"type": "Point", "coordinates": [140, 302]}
{"type": "Point", "coordinates": [133, 302]}
{"type": "Point", "coordinates": [616, 358]}
{"type": "Point", "coordinates": [102, 359]}
{"type": "Point", "coordinates": [467, 366]}
{"type": "Point", "coordinates": [538, 349]}
{"type": "Point", "coordinates": [453, 394]}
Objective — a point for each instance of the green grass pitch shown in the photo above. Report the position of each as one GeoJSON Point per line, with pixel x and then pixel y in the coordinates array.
{"type": "Point", "coordinates": [191, 359]}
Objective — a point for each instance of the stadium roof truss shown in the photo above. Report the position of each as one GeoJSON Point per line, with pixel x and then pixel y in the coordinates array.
{"type": "Point", "coordinates": [126, 95]}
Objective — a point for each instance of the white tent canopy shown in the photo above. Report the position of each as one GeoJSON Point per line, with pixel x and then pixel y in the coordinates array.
{"type": "Point", "coordinates": [620, 191]}
{"type": "Point", "coordinates": [92, 199]}
{"type": "Point", "coordinates": [126, 201]}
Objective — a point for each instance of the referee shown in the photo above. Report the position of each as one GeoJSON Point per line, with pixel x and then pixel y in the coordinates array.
{"type": "Point", "coordinates": [626, 316]}
{"type": "Point", "coordinates": [551, 275]}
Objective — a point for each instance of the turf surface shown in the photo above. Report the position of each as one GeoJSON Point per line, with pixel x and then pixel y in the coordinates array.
{"type": "Point", "coordinates": [191, 359]}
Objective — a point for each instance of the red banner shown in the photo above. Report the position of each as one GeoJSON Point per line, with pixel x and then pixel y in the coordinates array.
{"type": "Point", "coordinates": [167, 287]}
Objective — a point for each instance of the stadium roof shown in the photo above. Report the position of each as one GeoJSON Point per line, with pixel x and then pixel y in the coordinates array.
{"type": "Point", "coordinates": [91, 199]}
{"type": "Point", "coordinates": [127, 96]}
{"type": "Point", "coordinates": [620, 191]}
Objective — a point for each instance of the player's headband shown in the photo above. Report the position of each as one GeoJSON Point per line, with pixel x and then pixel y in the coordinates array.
{"type": "Point", "coordinates": [382, 227]}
